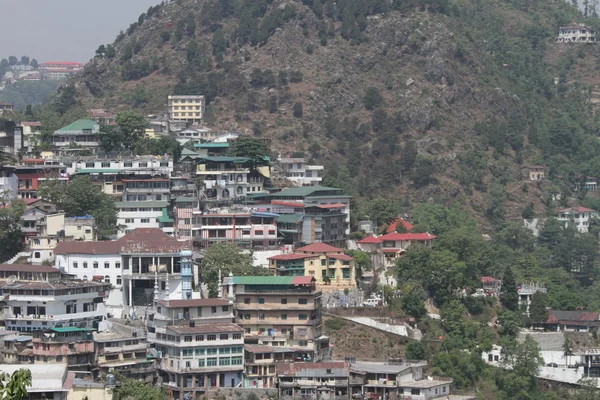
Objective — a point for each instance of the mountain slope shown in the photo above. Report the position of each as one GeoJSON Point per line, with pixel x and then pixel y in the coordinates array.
{"type": "Point", "coordinates": [420, 100]}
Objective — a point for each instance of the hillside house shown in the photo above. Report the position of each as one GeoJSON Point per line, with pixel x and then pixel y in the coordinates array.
{"type": "Point", "coordinates": [330, 266]}
{"type": "Point", "coordinates": [325, 380]}
{"type": "Point", "coordinates": [491, 286]}
{"type": "Point", "coordinates": [580, 217]}
{"type": "Point", "coordinates": [576, 33]}
{"type": "Point", "coordinates": [535, 172]}
{"type": "Point", "coordinates": [81, 134]}
{"type": "Point", "coordinates": [300, 172]}
{"type": "Point", "coordinates": [578, 321]}
{"type": "Point", "coordinates": [395, 244]}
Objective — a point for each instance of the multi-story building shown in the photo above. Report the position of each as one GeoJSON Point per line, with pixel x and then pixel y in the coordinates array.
{"type": "Point", "coordinates": [16, 348]}
{"type": "Point", "coordinates": [123, 350]}
{"type": "Point", "coordinates": [141, 264]}
{"type": "Point", "coordinates": [579, 217]}
{"type": "Point", "coordinates": [32, 175]}
{"type": "Point", "coordinates": [226, 178]}
{"type": "Point", "coordinates": [35, 211]}
{"type": "Point", "coordinates": [198, 345]}
{"type": "Point", "coordinates": [211, 148]}
{"type": "Point", "coordinates": [101, 116]}
{"type": "Point", "coordinates": [325, 213]}
{"type": "Point", "coordinates": [46, 383]}
{"type": "Point", "coordinates": [321, 380]}
{"type": "Point", "coordinates": [299, 172]}
{"type": "Point", "coordinates": [186, 108]}
{"type": "Point", "coordinates": [194, 135]}
{"type": "Point", "coordinates": [143, 214]}
{"type": "Point", "coordinates": [394, 245]}
{"type": "Point", "coordinates": [36, 299]}
{"type": "Point", "coordinates": [526, 291]}
{"type": "Point", "coordinates": [59, 69]}
{"type": "Point", "coordinates": [396, 380]}
{"type": "Point", "coordinates": [280, 312]}
{"type": "Point", "coordinates": [261, 361]}
{"type": "Point", "coordinates": [576, 33]}
{"type": "Point", "coordinates": [110, 166]}
{"type": "Point", "coordinates": [69, 345]}
{"type": "Point", "coordinates": [55, 228]}
{"type": "Point", "coordinates": [330, 266]}
{"type": "Point", "coordinates": [81, 134]}
{"type": "Point", "coordinates": [248, 229]}
{"type": "Point", "coordinates": [9, 184]}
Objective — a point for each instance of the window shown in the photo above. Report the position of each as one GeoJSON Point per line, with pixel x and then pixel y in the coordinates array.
{"type": "Point", "coordinates": [200, 351]}
{"type": "Point", "coordinates": [283, 301]}
{"type": "Point", "coordinates": [145, 220]}
{"type": "Point", "coordinates": [224, 336]}
{"type": "Point", "coordinates": [129, 220]}
{"type": "Point", "coordinates": [105, 165]}
{"type": "Point", "coordinates": [106, 265]}
{"type": "Point", "coordinates": [199, 311]}
{"type": "Point", "coordinates": [199, 338]}
{"type": "Point", "coordinates": [213, 309]}
{"type": "Point", "coordinates": [225, 361]}
{"type": "Point", "coordinates": [200, 363]}
{"type": "Point", "coordinates": [128, 164]}
{"type": "Point", "coordinates": [143, 164]}
{"type": "Point", "coordinates": [225, 350]}
{"type": "Point", "coordinates": [187, 339]}
{"type": "Point", "coordinates": [211, 337]}
{"type": "Point", "coordinates": [261, 316]}
{"type": "Point", "coordinates": [261, 300]}
{"type": "Point", "coordinates": [323, 262]}
{"type": "Point", "coordinates": [118, 265]}
{"type": "Point", "coordinates": [236, 360]}
{"type": "Point", "coordinates": [89, 165]}
{"type": "Point", "coordinates": [237, 336]}
{"type": "Point", "coordinates": [225, 308]}
{"type": "Point", "coordinates": [85, 264]}
{"type": "Point", "coordinates": [74, 264]}
{"type": "Point", "coordinates": [119, 280]}
{"type": "Point", "coordinates": [302, 317]}
{"type": "Point", "coordinates": [95, 264]}
{"type": "Point", "coordinates": [259, 233]}
{"type": "Point", "coordinates": [302, 301]}
{"type": "Point", "coordinates": [415, 392]}
{"type": "Point", "coordinates": [107, 279]}
{"type": "Point", "coordinates": [211, 362]}
{"type": "Point", "coordinates": [283, 316]}
{"type": "Point", "coordinates": [246, 300]}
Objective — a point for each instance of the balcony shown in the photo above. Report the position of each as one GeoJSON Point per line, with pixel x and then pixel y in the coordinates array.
{"type": "Point", "coordinates": [201, 370]}
{"type": "Point", "coordinates": [275, 306]}
{"type": "Point", "coordinates": [57, 318]}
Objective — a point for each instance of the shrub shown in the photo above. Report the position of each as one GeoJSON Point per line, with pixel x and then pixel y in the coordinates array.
{"type": "Point", "coordinates": [335, 324]}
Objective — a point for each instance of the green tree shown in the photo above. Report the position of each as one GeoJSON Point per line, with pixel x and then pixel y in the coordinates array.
{"type": "Point", "coordinates": [25, 60]}
{"type": "Point", "coordinates": [509, 322]}
{"type": "Point", "coordinates": [413, 300]}
{"type": "Point", "coordinates": [227, 258]}
{"type": "Point", "coordinates": [11, 236]}
{"type": "Point", "coordinates": [537, 309]}
{"type": "Point", "coordinates": [132, 126]}
{"type": "Point", "coordinates": [129, 389]}
{"type": "Point", "coordinates": [12, 61]}
{"type": "Point", "coordinates": [252, 148]}
{"type": "Point", "coordinates": [298, 110]}
{"type": "Point", "coordinates": [82, 197]}
{"type": "Point", "coordinates": [382, 211]}
{"type": "Point", "coordinates": [523, 360]}
{"type": "Point", "coordinates": [14, 387]}
{"type": "Point", "coordinates": [111, 138]}
{"type": "Point", "coordinates": [362, 260]}
{"type": "Point", "coordinates": [509, 295]}
{"type": "Point", "coordinates": [415, 350]}
{"type": "Point", "coordinates": [66, 99]}
{"type": "Point", "coordinates": [373, 98]}
{"type": "Point", "coordinates": [34, 64]}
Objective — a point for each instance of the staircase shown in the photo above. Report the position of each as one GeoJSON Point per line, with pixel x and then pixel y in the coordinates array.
{"type": "Point", "coordinates": [18, 256]}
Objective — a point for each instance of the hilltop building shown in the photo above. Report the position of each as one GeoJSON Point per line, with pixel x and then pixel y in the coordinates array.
{"type": "Point", "coordinates": [299, 172]}
{"type": "Point", "coordinates": [580, 217]}
{"type": "Point", "coordinates": [576, 33]}
{"type": "Point", "coordinates": [186, 108]}
{"type": "Point", "coordinates": [55, 70]}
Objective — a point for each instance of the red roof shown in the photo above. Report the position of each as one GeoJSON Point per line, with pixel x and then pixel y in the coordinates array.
{"type": "Point", "coordinates": [577, 209]}
{"type": "Point", "coordinates": [407, 236]}
{"type": "Point", "coordinates": [292, 256]}
{"type": "Point", "coordinates": [303, 280]}
{"type": "Point", "coordinates": [370, 239]}
{"type": "Point", "coordinates": [286, 203]}
{"type": "Point", "coordinates": [344, 257]}
{"type": "Point", "coordinates": [394, 224]}
{"type": "Point", "coordinates": [391, 250]}
{"type": "Point", "coordinates": [138, 241]}
{"type": "Point", "coordinates": [319, 248]}
{"type": "Point", "coordinates": [27, 268]}
{"type": "Point", "coordinates": [31, 123]}
{"type": "Point", "coordinates": [61, 63]}
{"type": "Point", "coordinates": [489, 279]}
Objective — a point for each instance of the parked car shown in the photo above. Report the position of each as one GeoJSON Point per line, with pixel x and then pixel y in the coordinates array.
{"type": "Point", "coordinates": [372, 302]}
{"type": "Point", "coordinates": [554, 365]}
{"type": "Point", "coordinates": [478, 293]}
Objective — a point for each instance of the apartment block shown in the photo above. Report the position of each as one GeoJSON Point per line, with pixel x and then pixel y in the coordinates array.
{"type": "Point", "coordinates": [186, 108]}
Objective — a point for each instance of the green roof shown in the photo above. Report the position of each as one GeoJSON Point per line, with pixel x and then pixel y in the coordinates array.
{"type": "Point", "coordinates": [98, 171]}
{"type": "Point", "coordinates": [188, 152]}
{"type": "Point", "coordinates": [289, 218]}
{"type": "Point", "coordinates": [225, 159]}
{"type": "Point", "coordinates": [80, 125]}
{"type": "Point", "coordinates": [164, 218]}
{"type": "Point", "coordinates": [263, 280]}
{"type": "Point", "coordinates": [72, 329]}
{"type": "Point", "coordinates": [141, 204]}
{"type": "Point", "coordinates": [211, 145]}
{"type": "Point", "coordinates": [303, 191]}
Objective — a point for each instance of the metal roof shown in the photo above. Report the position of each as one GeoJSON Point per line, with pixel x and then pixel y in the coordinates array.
{"type": "Point", "coordinates": [80, 125]}
{"type": "Point", "coordinates": [289, 218]}
{"type": "Point", "coordinates": [303, 191]}
{"type": "Point", "coordinates": [211, 145]}
{"type": "Point", "coordinates": [263, 280]}
{"type": "Point", "coordinates": [72, 329]}
{"type": "Point", "coordinates": [225, 159]}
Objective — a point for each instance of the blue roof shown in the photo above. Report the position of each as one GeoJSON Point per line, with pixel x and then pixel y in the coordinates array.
{"type": "Point", "coordinates": [264, 214]}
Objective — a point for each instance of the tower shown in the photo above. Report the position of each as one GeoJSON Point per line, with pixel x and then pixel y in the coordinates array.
{"type": "Point", "coordinates": [186, 273]}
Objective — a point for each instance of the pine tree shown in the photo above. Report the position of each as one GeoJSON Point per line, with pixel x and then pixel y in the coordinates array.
{"type": "Point", "coordinates": [510, 296]}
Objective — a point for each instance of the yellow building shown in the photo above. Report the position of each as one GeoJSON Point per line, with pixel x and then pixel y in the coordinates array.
{"type": "Point", "coordinates": [186, 108]}
{"type": "Point", "coordinates": [332, 269]}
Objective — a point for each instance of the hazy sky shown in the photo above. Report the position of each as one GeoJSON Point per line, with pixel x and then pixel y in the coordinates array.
{"type": "Point", "coordinates": [64, 30]}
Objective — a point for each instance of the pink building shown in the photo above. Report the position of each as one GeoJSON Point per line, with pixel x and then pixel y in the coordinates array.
{"type": "Point", "coordinates": [67, 345]}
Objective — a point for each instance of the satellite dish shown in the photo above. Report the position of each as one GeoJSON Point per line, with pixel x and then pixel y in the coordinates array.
{"type": "Point", "coordinates": [12, 279]}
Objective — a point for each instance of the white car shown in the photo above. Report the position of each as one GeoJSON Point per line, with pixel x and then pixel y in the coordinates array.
{"type": "Point", "coordinates": [371, 302]}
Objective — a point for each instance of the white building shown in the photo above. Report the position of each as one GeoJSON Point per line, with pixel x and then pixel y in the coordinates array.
{"type": "Point", "coordinates": [580, 217]}
{"type": "Point", "coordinates": [198, 345]}
{"type": "Point", "coordinates": [36, 299]}
{"type": "Point", "coordinates": [132, 165]}
{"type": "Point", "coordinates": [576, 33]}
{"type": "Point", "coordinates": [46, 383]}
{"type": "Point", "coordinates": [186, 108]}
{"type": "Point", "coordinates": [301, 173]}
{"type": "Point", "coordinates": [228, 177]}
{"type": "Point", "coordinates": [140, 214]}
{"type": "Point", "coordinates": [133, 265]}
{"type": "Point", "coordinates": [9, 184]}
{"type": "Point", "coordinates": [194, 134]}
{"type": "Point", "coordinates": [526, 292]}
